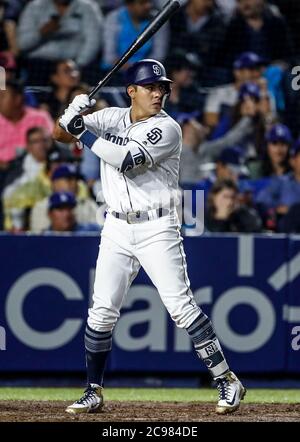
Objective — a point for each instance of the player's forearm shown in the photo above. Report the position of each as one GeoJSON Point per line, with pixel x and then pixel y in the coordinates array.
{"type": "Point", "coordinates": [109, 152]}
{"type": "Point", "coordinates": [121, 157]}
{"type": "Point", "coordinates": [59, 134]}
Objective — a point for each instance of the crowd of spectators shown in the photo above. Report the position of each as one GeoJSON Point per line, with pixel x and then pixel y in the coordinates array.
{"type": "Point", "coordinates": [234, 95]}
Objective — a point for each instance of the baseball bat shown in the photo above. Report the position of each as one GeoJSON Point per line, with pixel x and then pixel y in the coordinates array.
{"type": "Point", "coordinates": [169, 8]}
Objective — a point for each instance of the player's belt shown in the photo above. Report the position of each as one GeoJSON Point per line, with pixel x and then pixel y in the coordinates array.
{"type": "Point", "coordinates": [139, 216]}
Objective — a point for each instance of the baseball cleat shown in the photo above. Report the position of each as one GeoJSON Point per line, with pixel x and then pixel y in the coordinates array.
{"type": "Point", "coordinates": [231, 392]}
{"type": "Point", "coordinates": [90, 402]}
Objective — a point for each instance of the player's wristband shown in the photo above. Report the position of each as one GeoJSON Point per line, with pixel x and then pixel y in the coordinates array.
{"type": "Point", "coordinates": [76, 127]}
{"type": "Point", "coordinates": [88, 138]}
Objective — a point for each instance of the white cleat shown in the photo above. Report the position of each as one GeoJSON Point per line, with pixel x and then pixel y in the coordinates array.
{"type": "Point", "coordinates": [90, 402]}
{"type": "Point", "coordinates": [231, 392]}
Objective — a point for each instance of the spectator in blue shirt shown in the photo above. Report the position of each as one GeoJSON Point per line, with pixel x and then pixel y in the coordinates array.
{"type": "Point", "coordinates": [283, 192]}
{"type": "Point", "coordinates": [124, 25]}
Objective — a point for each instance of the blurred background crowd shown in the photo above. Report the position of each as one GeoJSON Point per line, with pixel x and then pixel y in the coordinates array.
{"type": "Point", "coordinates": [235, 95]}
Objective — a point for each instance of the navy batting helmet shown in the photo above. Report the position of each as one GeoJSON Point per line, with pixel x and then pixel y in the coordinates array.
{"type": "Point", "coordinates": [147, 71]}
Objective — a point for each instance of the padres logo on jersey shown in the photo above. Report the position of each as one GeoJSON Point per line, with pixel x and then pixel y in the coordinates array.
{"type": "Point", "coordinates": [155, 135]}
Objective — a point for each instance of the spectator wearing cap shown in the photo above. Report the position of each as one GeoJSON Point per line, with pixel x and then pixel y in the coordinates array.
{"type": "Point", "coordinates": [252, 109]}
{"type": "Point", "coordinates": [224, 213]}
{"type": "Point", "coordinates": [246, 130]}
{"type": "Point", "coordinates": [247, 67]}
{"type": "Point", "coordinates": [230, 164]}
{"type": "Point", "coordinates": [27, 195]}
{"type": "Point", "coordinates": [65, 179]}
{"type": "Point", "coordinates": [275, 157]}
{"type": "Point", "coordinates": [199, 27]}
{"type": "Point", "coordinates": [62, 216]}
{"type": "Point", "coordinates": [16, 119]}
{"type": "Point", "coordinates": [123, 25]}
{"type": "Point", "coordinates": [256, 27]}
{"type": "Point", "coordinates": [283, 191]}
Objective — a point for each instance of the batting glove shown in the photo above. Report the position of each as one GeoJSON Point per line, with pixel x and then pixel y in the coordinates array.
{"type": "Point", "coordinates": [72, 123]}
{"type": "Point", "coordinates": [81, 103]}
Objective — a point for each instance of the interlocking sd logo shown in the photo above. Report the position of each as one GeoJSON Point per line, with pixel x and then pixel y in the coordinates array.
{"type": "Point", "coordinates": [156, 69]}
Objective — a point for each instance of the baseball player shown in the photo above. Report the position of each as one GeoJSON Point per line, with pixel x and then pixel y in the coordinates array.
{"type": "Point", "coordinates": [140, 150]}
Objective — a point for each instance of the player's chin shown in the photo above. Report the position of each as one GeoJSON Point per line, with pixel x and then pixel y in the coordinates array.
{"type": "Point", "coordinates": [155, 108]}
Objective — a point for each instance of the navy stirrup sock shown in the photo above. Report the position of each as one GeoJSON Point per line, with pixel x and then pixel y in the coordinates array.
{"type": "Point", "coordinates": [97, 347]}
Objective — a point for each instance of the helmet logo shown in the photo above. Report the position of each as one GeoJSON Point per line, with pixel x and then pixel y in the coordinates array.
{"type": "Point", "coordinates": [156, 69]}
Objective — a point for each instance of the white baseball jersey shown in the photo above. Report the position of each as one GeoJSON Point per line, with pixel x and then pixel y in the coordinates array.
{"type": "Point", "coordinates": [156, 244]}
{"type": "Point", "coordinates": [148, 186]}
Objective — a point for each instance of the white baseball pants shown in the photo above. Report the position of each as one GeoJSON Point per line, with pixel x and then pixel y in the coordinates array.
{"type": "Point", "coordinates": [155, 245]}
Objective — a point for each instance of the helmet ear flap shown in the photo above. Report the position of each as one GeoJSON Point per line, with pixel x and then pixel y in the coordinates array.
{"type": "Point", "coordinates": [168, 87]}
{"type": "Point", "coordinates": [164, 99]}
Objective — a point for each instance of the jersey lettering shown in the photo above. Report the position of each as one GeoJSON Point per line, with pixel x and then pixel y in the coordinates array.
{"type": "Point", "coordinates": [116, 139]}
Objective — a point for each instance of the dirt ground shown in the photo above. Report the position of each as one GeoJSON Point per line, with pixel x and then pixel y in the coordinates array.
{"type": "Point", "coordinates": [34, 411]}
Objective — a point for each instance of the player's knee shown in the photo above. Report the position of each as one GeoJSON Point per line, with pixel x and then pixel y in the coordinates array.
{"type": "Point", "coordinates": [184, 318]}
{"type": "Point", "coordinates": [100, 326]}
{"type": "Point", "coordinates": [101, 321]}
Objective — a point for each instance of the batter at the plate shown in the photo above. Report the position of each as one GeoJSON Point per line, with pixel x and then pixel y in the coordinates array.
{"type": "Point", "coordinates": [140, 151]}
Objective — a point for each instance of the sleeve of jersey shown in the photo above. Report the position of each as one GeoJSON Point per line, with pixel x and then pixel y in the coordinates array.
{"type": "Point", "coordinates": [123, 158]}
{"type": "Point", "coordinates": [95, 122]}
{"type": "Point", "coordinates": [156, 145]}
{"type": "Point", "coordinates": [161, 142]}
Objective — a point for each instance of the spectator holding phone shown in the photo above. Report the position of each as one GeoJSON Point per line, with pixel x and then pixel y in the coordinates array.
{"type": "Point", "coordinates": [225, 214]}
